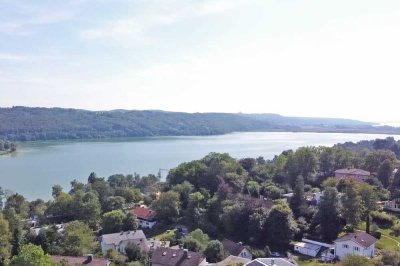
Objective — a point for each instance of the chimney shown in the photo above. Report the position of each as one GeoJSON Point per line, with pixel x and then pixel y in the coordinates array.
{"type": "Point", "coordinates": [185, 253]}
{"type": "Point", "coordinates": [89, 258]}
{"type": "Point", "coordinates": [240, 243]}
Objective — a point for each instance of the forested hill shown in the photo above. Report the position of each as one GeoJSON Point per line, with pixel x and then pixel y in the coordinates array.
{"type": "Point", "coordinates": [25, 123]}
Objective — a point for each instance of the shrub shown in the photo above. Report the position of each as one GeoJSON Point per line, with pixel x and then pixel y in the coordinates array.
{"type": "Point", "coordinates": [382, 218]}
{"type": "Point", "coordinates": [396, 229]}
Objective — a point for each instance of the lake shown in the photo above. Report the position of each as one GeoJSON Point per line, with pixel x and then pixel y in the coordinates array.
{"type": "Point", "coordinates": [37, 166]}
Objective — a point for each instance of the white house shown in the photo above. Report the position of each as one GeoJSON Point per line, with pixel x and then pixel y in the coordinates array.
{"type": "Point", "coordinates": [392, 205]}
{"type": "Point", "coordinates": [118, 241]}
{"type": "Point", "coordinates": [145, 216]}
{"type": "Point", "coordinates": [359, 243]}
{"type": "Point", "coordinates": [307, 249]}
{"type": "Point", "coordinates": [236, 249]}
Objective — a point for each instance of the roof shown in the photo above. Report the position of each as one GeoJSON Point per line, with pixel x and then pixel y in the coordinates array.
{"type": "Point", "coordinates": [231, 247]}
{"type": "Point", "coordinates": [270, 262]}
{"type": "Point", "coordinates": [352, 171]}
{"type": "Point", "coordinates": [308, 246]}
{"type": "Point", "coordinates": [144, 213]}
{"type": "Point", "coordinates": [117, 238]}
{"type": "Point", "coordinates": [75, 261]}
{"type": "Point", "coordinates": [176, 257]}
{"type": "Point", "coordinates": [231, 260]}
{"type": "Point", "coordinates": [360, 238]}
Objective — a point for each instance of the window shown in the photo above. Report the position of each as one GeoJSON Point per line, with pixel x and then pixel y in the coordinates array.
{"type": "Point", "coordinates": [356, 248]}
{"type": "Point", "coordinates": [345, 246]}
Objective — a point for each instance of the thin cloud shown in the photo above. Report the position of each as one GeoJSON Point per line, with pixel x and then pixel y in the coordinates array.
{"type": "Point", "coordinates": [157, 14]}
{"type": "Point", "coordinates": [12, 57]}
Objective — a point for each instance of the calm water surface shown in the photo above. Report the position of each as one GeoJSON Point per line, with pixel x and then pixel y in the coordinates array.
{"type": "Point", "coordinates": [36, 167]}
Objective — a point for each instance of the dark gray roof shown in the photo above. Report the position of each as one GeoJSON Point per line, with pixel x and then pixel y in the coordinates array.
{"type": "Point", "coordinates": [176, 257]}
{"type": "Point", "coordinates": [231, 247]}
{"type": "Point", "coordinates": [361, 238]}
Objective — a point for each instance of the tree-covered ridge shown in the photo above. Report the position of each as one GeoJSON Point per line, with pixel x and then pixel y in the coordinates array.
{"type": "Point", "coordinates": [24, 123]}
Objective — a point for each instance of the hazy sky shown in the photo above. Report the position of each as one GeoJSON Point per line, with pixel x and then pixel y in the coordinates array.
{"type": "Point", "coordinates": [305, 58]}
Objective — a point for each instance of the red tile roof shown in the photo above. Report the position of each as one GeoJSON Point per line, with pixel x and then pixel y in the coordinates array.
{"type": "Point", "coordinates": [78, 261]}
{"type": "Point", "coordinates": [145, 213]}
{"type": "Point", "coordinates": [361, 238]}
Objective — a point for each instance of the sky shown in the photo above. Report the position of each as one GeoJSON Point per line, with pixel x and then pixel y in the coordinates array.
{"type": "Point", "coordinates": [300, 58]}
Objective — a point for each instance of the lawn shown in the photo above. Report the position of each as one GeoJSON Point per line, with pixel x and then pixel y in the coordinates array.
{"type": "Point", "coordinates": [165, 235]}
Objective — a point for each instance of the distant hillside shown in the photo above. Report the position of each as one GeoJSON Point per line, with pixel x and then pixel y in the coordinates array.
{"type": "Point", "coordinates": [25, 123]}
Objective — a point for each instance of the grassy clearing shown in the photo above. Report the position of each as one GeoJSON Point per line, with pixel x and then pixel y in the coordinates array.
{"type": "Point", "coordinates": [166, 234]}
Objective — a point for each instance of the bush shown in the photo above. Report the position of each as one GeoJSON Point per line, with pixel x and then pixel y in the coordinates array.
{"type": "Point", "coordinates": [396, 229]}
{"type": "Point", "coordinates": [382, 218]}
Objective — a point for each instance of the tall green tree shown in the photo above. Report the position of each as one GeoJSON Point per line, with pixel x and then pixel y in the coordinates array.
{"type": "Point", "coordinates": [78, 239]}
{"type": "Point", "coordinates": [369, 200]}
{"type": "Point", "coordinates": [298, 202]}
{"type": "Point", "coordinates": [168, 206]}
{"type": "Point", "coordinates": [214, 251]}
{"type": "Point", "coordinates": [31, 255]}
{"type": "Point", "coordinates": [196, 241]}
{"type": "Point", "coordinates": [385, 172]}
{"type": "Point", "coordinates": [328, 214]}
{"type": "Point", "coordinates": [133, 252]}
{"type": "Point", "coordinates": [351, 203]}
{"type": "Point", "coordinates": [113, 221]}
{"type": "Point", "coordinates": [5, 239]}
{"type": "Point", "coordinates": [281, 225]}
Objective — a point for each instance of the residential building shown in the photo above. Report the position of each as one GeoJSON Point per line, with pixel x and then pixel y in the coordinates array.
{"type": "Point", "coordinates": [352, 173]}
{"type": "Point", "coordinates": [307, 248]}
{"type": "Point", "coordinates": [236, 249]}
{"type": "Point", "coordinates": [392, 205]}
{"type": "Point", "coordinates": [231, 260]}
{"type": "Point", "coordinates": [78, 261]}
{"type": "Point", "coordinates": [118, 241]}
{"type": "Point", "coordinates": [154, 244]}
{"type": "Point", "coordinates": [146, 217]}
{"type": "Point", "coordinates": [177, 257]}
{"type": "Point", "coordinates": [359, 243]}
{"type": "Point", "coordinates": [271, 262]}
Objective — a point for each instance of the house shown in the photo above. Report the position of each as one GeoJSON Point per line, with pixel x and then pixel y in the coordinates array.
{"type": "Point", "coordinates": [118, 241]}
{"type": "Point", "coordinates": [154, 244]}
{"type": "Point", "coordinates": [236, 249]}
{"type": "Point", "coordinates": [177, 257]}
{"type": "Point", "coordinates": [271, 262]}
{"type": "Point", "coordinates": [231, 260]}
{"type": "Point", "coordinates": [307, 248]}
{"type": "Point", "coordinates": [353, 173]}
{"type": "Point", "coordinates": [392, 205]}
{"type": "Point", "coordinates": [146, 217]}
{"type": "Point", "coordinates": [359, 243]}
{"type": "Point", "coordinates": [78, 261]}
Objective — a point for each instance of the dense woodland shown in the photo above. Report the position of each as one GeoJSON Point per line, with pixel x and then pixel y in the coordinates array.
{"type": "Point", "coordinates": [30, 124]}
{"type": "Point", "coordinates": [216, 197]}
